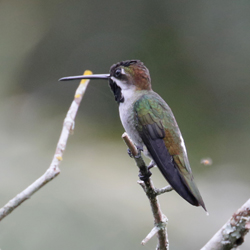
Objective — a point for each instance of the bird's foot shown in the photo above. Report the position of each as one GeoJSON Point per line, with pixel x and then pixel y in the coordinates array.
{"type": "Point", "coordinates": [139, 152]}
{"type": "Point", "coordinates": [144, 175]}
{"type": "Point", "coordinates": [130, 153]}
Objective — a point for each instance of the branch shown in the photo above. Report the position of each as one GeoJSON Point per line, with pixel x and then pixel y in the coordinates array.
{"type": "Point", "coordinates": [232, 234]}
{"type": "Point", "coordinates": [136, 155]}
{"type": "Point", "coordinates": [160, 220]}
{"type": "Point", "coordinates": [53, 169]}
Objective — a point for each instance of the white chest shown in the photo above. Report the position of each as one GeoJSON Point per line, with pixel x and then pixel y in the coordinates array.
{"type": "Point", "coordinates": [126, 110]}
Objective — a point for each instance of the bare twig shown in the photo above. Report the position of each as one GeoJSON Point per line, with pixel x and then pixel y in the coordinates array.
{"type": "Point", "coordinates": [53, 169]}
{"type": "Point", "coordinates": [160, 220]}
{"type": "Point", "coordinates": [136, 155]}
{"type": "Point", "coordinates": [130, 144]}
{"type": "Point", "coordinates": [232, 234]}
{"type": "Point", "coordinates": [152, 233]}
{"type": "Point", "coordinates": [155, 230]}
{"type": "Point", "coordinates": [163, 190]}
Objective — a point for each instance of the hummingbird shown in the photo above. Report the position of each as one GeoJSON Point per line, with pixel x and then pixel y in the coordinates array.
{"type": "Point", "coordinates": [151, 125]}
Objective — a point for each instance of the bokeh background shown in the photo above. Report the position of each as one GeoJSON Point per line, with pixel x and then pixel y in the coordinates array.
{"type": "Point", "coordinates": [198, 54]}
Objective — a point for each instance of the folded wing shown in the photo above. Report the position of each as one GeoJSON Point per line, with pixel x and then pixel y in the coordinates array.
{"type": "Point", "coordinates": [162, 138]}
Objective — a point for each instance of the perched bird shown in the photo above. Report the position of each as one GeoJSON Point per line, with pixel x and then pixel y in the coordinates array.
{"type": "Point", "coordinates": [151, 125]}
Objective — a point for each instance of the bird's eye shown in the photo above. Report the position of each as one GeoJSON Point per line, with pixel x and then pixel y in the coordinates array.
{"type": "Point", "coordinates": [118, 73]}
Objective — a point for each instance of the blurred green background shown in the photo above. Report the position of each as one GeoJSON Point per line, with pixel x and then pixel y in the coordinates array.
{"type": "Point", "coordinates": [198, 54]}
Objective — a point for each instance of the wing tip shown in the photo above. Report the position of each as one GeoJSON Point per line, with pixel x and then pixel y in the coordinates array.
{"type": "Point", "coordinates": [204, 207]}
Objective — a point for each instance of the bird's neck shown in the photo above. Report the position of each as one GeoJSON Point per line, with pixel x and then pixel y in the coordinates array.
{"type": "Point", "coordinates": [132, 94]}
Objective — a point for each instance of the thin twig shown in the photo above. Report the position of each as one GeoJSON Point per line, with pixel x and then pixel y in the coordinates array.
{"type": "Point", "coordinates": [130, 144]}
{"type": "Point", "coordinates": [136, 155]}
{"type": "Point", "coordinates": [160, 220]}
{"type": "Point", "coordinates": [163, 190]}
{"type": "Point", "coordinates": [53, 169]}
{"type": "Point", "coordinates": [232, 234]}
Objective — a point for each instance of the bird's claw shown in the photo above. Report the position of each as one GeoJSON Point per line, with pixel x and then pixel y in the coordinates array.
{"type": "Point", "coordinates": [144, 176]}
{"type": "Point", "coordinates": [139, 152]}
{"type": "Point", "coordinates": [130, 153]}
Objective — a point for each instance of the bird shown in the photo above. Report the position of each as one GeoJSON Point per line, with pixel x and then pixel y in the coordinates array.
{"type": "Point", "coordinates": [151, 125]}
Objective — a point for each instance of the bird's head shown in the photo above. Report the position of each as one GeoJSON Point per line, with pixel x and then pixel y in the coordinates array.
{"type": "Point", "coordinates": [127, 77]}
{"type": "Point", "coordinates": [124, 77]}
{"type": "Point", "coordinates": [131, 74]}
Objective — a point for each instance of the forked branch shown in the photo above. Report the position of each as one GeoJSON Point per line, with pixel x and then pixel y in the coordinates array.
{"type": "Point", "coordinates": [53, 169]}
{"type": "Point", "coordinates": [160, 220]}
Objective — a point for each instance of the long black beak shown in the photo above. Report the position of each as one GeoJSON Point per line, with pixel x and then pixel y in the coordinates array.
{"type": "Point", "coordinates": [95, 76]}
